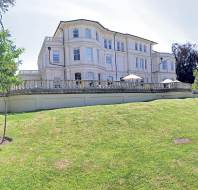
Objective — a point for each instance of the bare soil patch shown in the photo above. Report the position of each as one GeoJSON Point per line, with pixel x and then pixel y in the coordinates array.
{"type": "Point", "coordinates": [62, 164]}
{"type": "Point", "coordinates": [7, 140]}
{"type": "Point", "coordinates": [182, 141]}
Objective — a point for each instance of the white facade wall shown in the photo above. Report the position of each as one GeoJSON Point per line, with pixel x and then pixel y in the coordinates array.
{"type": "Point", "coordinates": [160, 71]}
{"type": "Point", "coordinates": [123, 62]}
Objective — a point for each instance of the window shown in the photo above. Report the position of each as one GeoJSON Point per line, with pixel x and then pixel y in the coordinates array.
{"type": "Point", "coordinates": [99, 77]}
{"type": "Point", "coordinates": [110, 44]}
{"type": "Point", "coordinates": [97, 36]}
{"type": "Point", "coordinates": [90, 75]}
{"type": "Point", "coordinates": [98, 56]}
{"type": "Point", "coordinates": [118, 46]}
{"type": "Point", "coordinates": [142, 63]}
{"type": "Point", "coordinates": [76, 54]}
{"type": "Point", "coordinates": [137, 62]}
{"type": "Point", "coordinates": [122, 46]}
{"type": "Point", "coordinates": [172, 66]}
{"type": "Point", "coordinates": [140, 47]}
{"type": "Point", "coordinates": [136, 46]}
{"type": "Point", "coordinates": [145, 48]}
{"type": "Point", "coordinates": [145, 64]}
{"type": "Point", "coordinates": [105, 43]}
{"type": "Point", "coordinates": [89, 54]}
{"type": "Point", "coordinates": [56, 57]}
{"type": "Point", "coordinates": [164, 65]}
{"type": "Point", "coordinates": [75, 33]}
{"type": "Point", "coordinates": [88, 33]}
{"type": "Point", "coordinates": [109, 59]}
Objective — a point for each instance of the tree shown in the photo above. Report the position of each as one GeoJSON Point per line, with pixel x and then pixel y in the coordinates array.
{"type": "Point", "coordinates": [4, 5]}
{"type": "Point", "coordinates": [186, 61]}
{"type": "Point", "coordinates": [9, 61]}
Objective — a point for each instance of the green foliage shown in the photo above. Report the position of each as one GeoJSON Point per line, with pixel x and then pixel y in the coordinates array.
{"type": "Point", "coordinates": [9, 61]}
{"type": "Point", "coordinates": [4, 5]}
{"type": "Point", "coordinates": [114, 147]}
{"type": "Point", "coordinates": [186, 56]}
{"type": "Point", "coordinates": [195, 85]}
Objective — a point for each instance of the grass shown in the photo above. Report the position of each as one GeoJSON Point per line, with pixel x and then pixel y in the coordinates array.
{"type": "Point", "coordinates": [129, 146]}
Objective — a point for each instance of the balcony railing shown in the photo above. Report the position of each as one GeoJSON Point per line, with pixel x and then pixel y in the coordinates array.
{"type": "Point", "coordinates": [90, 86]}
{"type": "Point", "coordinates": [27, 72]}
{"type": "Point", "coordinates": [53, 39]}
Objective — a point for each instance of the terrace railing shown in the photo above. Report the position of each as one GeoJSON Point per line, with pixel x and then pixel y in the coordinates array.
{"type": "Point", "coordinates": [87, 86]}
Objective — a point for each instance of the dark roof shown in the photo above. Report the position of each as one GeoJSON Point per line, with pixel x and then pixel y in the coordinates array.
{"type": "Point", "coordinates": [96, 22]}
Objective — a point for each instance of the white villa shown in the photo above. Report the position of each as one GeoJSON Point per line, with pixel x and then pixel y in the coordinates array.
{"type": "Point", "coordinates": [86, 50]}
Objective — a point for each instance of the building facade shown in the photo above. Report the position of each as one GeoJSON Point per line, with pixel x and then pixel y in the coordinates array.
{"type": "Point", "coordinates": [86, 50]}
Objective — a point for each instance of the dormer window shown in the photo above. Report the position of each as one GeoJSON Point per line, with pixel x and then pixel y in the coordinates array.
{"type": "Point", "coordinates": [75, 33]}
{"type": "Point", "coordinates": [88, 33]}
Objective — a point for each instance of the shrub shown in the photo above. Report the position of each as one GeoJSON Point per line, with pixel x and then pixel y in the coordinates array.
{"type": "Point", "coordinates": [195, 85]}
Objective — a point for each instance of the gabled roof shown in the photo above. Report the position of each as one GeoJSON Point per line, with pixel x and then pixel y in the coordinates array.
{"type": "Point", "coordinates": [98, 23]}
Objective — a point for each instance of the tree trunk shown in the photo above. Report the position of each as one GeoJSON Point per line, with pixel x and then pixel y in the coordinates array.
{"type": "Point", "coordinates": [5, 121]}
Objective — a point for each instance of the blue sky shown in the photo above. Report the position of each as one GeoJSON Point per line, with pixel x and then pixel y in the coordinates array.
{"type": "Point", "coordinates": [165, 22]}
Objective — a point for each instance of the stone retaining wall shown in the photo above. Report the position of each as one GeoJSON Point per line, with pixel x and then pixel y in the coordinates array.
{"type": "Point", "coordinates": [24, 103]}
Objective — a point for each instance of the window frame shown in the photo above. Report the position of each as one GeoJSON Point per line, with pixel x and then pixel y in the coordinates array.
{"type": "Point", "coordinates": [109, 59]}
{"type": "Point", "coordinates": [75, 31]}
{"type": "Point", "coordinates": [137, 63]}
{"type": "Point", "coordinates": [76, 56]}
{"type": "Point", "coordinates": [105, 44]}
{"type": "Point", "coordinates": [88, 34]}
{"type": "Point", "coordinates": [145, 48]}
{"type": "Point", "coordinates": [97, 36]}
{"type": "Point", "coordinates": [89, 54]}
{"type": "Point", "coordinates": [109, 44]}
{"type": "Point", "coordinates": [136, 46]}
{"type": "Point", "coordinates": [122, 47]}
{"type": "Point", "coordinates": [140, 47]}
{"type": "Point", "coordinates": [145, 64]}
{"type": "Point", "coordinates": [118, 46]}
{"type": "Point", "coordinates": [57, 53]}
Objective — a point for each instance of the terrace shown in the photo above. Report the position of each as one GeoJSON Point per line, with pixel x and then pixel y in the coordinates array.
{"type": "Point", "coordinates": [90, 86]}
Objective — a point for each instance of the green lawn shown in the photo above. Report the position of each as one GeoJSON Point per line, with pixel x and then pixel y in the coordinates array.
{"type": "Point", "coordinates": [129, 146]}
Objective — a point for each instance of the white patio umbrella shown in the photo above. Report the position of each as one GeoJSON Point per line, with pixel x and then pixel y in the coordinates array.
{"type": "Point", "coordinates": [132, 77]}
{"type": "Point", "coordinates": [167, 81]}
{"type": "Point", "coordinates": [176, 81]}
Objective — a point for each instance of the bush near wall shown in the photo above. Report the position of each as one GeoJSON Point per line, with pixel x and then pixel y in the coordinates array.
{"type": "Point", "coordinates": [195, 85]}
